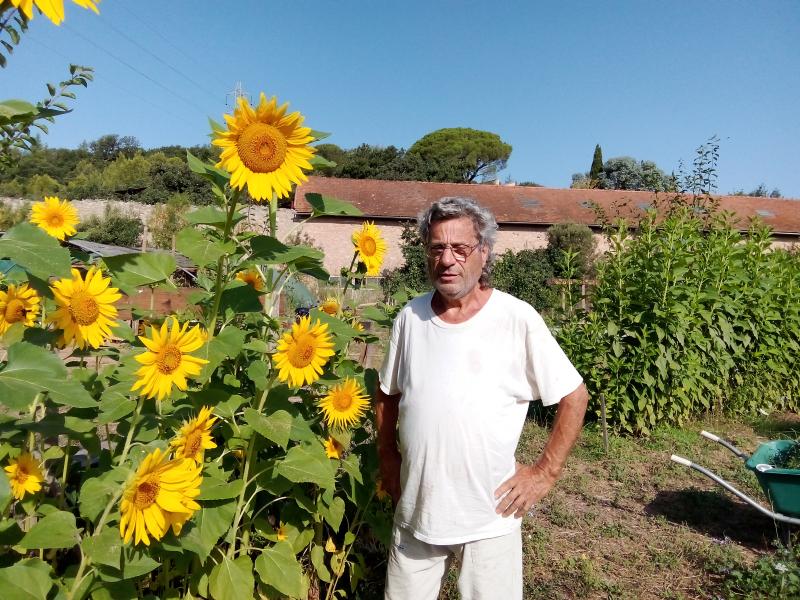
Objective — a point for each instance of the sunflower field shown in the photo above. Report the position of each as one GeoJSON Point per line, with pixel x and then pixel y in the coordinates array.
{"type": "Point", "coordinates": [224, 457]}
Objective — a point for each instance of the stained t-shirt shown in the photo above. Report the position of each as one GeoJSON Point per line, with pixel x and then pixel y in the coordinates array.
{"type": "Point", "coordinates": [465, 392]}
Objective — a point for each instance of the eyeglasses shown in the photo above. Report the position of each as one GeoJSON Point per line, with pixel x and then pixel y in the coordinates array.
{"type": "Point", "coordinates": [461, 252]}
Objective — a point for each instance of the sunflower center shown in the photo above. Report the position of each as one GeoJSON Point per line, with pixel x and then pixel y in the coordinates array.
{"type": "Point", "coordinates": [168, 359]}
{"type": "Point", "coordinates": [302, 351]}
{"type": "Point", "coordinates": [192, 446]}
{"type": "Point", "coordinates": [15, 311]}
{"type": "Point", "coordinates": [368, 246]}
{"type": "Point", "coordinates": [342, 401]}
{"type": "Point", "coordinates": [146, 494]}
{"type": "Point", "coordinates": [262, 148]}
{"type": "Point", "coordinates": [55, 220]}
{"type": "Point", "coordinates": [84, 309]}
{"type": "Point", "coordinates": [22, 475]}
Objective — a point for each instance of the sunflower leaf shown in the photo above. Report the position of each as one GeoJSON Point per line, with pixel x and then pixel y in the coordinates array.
{"type": "Point", "coordinates": [130, 271]}
{"type": "Point", "coordinates": [29, 579]}
{"type": "Point", "coordinates": [328, 205]}
{"type": "Point", "coordinates": [201, 534]}
{"type": "Point", "coordinates": [276, 427]}
{"type": "Point", "coordinates": [278, 567]}
{"type": "Point", "coordinates": [56, 530]}
{"type": "Point", "coordinates": [5, 491]}
{"type": "Point", "coordinates": [268, 250]}
{"type": "Point", "coordinates": [319, 135]}
{"type": "Point", "coordinates": [211, 215]}
{"type": "Point", "coordinates": [197, 247]}
{"type": "Point", "coordinates": [308, 464]}
{"type": "Point", "coordinates": [34, 250]}
{"type": "Point", "coordinates": [232, 579]}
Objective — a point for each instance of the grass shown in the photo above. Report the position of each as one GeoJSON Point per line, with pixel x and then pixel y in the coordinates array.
{"type": "Point", "coordinates": [632, 524]}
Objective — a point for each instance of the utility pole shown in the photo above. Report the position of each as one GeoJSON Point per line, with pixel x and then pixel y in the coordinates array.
{"type": "Point", "coordinates": [238, 92]}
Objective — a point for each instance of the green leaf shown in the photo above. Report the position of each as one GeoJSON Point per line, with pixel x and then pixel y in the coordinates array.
{"type": "Point", "coordinates": [275, 427]}
{"type": "Point", "coordinates": [318, 560]}
{"type": "Point", "coordinates": [97, 491]}
{"type": "Point", "coordinates": [131, 271]}
{"type": "Point", "coordinates": [211, 215]}
{"type": "Point", "coordinates": [56, 530]}
{"type": "Point", "coordinates": [37, 252]}
{"type": "Point", "coordinates": [278, 567]}
{"type": "Point", "coordinates": [241, 298]}
{"type": "Point", "coordinates": [198, 248]}
{"type": "Point", "coordinates": [133, 563]}
{"type": "Point", "coordinates": [319, 135]}
{"type": "Point", "coordinates": [14, 108]}
{"type": "Point", "coordinates": [216, 176]}
{"type": "Point", "coordinates": [214, 488]}
{"type": "Point", "coordinates": [307, 464]}
{"type": "Point", "coordinates": [333, 513]}
{"type": "Point", "coordinates": [225, 344]}
{"type": "Point", "coordinates": [200, 535]}
{"type": "Point", "coordinates": [268, 250]}
{"type": "Point", "coordinates": [328, 205]}
{"type": "Point", "coordinates": [29, 579]}
{"type": "Point", "coordinates": [373, 313]}
{"type": "Point", "coordinates": [232, 579]}
{"type": "Point", "coordinates": [5, 491]}
{"type": "Point", "coordinates": [106, 548]}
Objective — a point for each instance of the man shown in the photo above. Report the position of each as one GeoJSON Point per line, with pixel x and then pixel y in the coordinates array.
{"type": "Point", "coordinates": [462, 364]}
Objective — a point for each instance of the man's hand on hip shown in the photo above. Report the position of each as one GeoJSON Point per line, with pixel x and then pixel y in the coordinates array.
{"type": "Point", "coordinates": [523, 490]}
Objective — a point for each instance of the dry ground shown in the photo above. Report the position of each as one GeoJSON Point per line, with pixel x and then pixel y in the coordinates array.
{"type": "Point", "coordinates": [632, 524]}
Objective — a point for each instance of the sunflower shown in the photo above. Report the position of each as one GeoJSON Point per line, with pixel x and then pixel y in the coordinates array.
{"type": "Point", "coordinates": [25, 475]}
{"type": "Point", "coordinates": [57, 217]}
{"type": "Point", "coordinates": [252, 278]}
{"type": "Point", "coordinates": [52, 9]}
{"type": "Point", "coordinates": [18, 305]}
{"type": "Point", "coordinates": [344, 405]}
{"type": "Point", "coordinates": [380, 493]}
{"type": "Point", "coordinates": [195, 436]}
{"type": "Point", "coordinates": [330, 306]}
{"type": "Point", "coordinates": [168, 359]}
{"type": "Point", "coordinates": [161, 495]}
{"type": "Point", "coordinates": [357, 325]}
{"type": "Point", "coordinates": [265, 148]}
{"type": "Point", "coordinates": [86, 311]}
{"type": "Point", "coordinates": [333, 449]}
{"type": "Point", "coordinates": [281, 533]}
{"type": "Point", "coordinates": [370, 247]}
{"type": "Point", "coordinates": [303, 351]}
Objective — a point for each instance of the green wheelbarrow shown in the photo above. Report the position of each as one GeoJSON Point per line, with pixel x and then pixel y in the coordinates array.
{"type": "Point", "coordinates": [781, 486]}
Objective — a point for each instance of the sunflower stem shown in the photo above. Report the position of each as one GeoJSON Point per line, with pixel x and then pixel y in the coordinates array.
{"type": "Point", "coordinates": [62, 493]}
{"type": "Point", "coordinates": [226, 232]}
{"type": "Point", "coordinates": [273, 216]}
{"type": "Point", "coordinates": [349, 275]}
{"type": "Point", "coordinates": [134, 423]}
{"type": "Point", "coordinates": [340, 570]}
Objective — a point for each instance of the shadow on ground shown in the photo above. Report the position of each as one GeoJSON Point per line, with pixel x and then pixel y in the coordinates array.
{"type": "Point", "coordinates": [715, 514]}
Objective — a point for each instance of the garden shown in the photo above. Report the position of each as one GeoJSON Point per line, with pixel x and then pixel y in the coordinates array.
{"type": "Point", "coordinates": [227, 451]}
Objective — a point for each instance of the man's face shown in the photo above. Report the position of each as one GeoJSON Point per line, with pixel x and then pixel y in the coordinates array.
{"type": "Point", "coordinates": [452, 278]}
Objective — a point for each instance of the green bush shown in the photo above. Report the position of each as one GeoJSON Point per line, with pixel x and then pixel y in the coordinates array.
{"type": "Point", "coordinates": [572, 237]}
{"type": "Point", "coordinates": [86, 182]}
{"type": "Point", "coordinates": [413, 274]}
{"type": "Point", "coordinates": [689, 315]}
{"type": "Point", "coordinates": [115, 227]}
{"type": "Point", "coordinates": [10, 216]}
{"type": "Point", "coordinates": [167, 220]}
{"type": "Point", "coordinates": [525, 276]}
{"type": "Point", "coordinates": [775, 576]}
{"type": "Point", "coordinates": [40, 186]}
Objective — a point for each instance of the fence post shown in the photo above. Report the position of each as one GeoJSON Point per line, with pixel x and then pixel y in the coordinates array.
{"type": "Point", "coordinates": [603, 421]}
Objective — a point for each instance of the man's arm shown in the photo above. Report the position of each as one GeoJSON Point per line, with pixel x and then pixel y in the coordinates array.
{"type": "Point", "coordinates": [531, 483]}
{"type": "Point", "coordinates": [389, 459]}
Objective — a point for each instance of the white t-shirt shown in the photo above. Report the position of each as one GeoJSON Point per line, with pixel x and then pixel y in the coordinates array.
{"type": "Point", "coordinates": [465, 392]}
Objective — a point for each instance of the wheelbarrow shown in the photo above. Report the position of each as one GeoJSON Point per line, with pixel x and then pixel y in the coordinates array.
{"type": "Point", "coordinates": [781, 486]}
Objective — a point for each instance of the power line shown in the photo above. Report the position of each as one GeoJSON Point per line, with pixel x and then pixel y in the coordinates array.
{"type": "Point", "coordinates": [134, 69]}
{"type": "Point", "coordinates": [158, 58]}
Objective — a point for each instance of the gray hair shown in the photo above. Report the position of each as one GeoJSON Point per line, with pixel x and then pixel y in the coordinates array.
{"type": "Point", "coordinates": [454, 207]}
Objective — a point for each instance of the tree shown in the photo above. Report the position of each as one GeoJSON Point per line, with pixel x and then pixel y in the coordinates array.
{"type": "Point", "coordinates": [108, 147]}
{"type": "Point", "coordinates": [759, 192]}
{"type": "Point", "coordinates": [115, 227]}
{"type": "Point", "coordinates": [597, 164]}
{"type": "Point", "coordinates": [467, 153]}
{"type": "Point", "coordinates": [626, 173]}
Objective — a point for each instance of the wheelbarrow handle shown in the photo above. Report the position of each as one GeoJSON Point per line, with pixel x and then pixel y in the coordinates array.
{"type": "Point", "coordinates": [713, 476]}
{"type": "Point", "coordinates": [726, 443]}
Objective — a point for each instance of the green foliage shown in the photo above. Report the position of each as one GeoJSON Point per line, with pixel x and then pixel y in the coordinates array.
{"type": "Point", "coordinates": [108, 148]}
{"type": "Point", "coordinates": [115, 227]}
{"type": "Point", "coordinates": [759, 192]}
{"type": "Point", "coordinates": [597, 164]}
{"type": "Point", "coordinates": [775, 576]}
{"type": "Point", "coordinates": [40, 186]}
{"type": "Point", "coordinates": [10, 215]}
{"type": "Point", "coordinates": [474, 153]}
{"type": "Point", "coordinates": [576, 238]}
{"type": "Point", "coordinates": [167, 220]}
{"type": "Point", "coordinates": [788, 458]}
{"type": "Point", "coordinates": [525, 274]}
{"type": "Point", "coordinates": [125, 177]}
{"type": "Point", "coordinates": [413, 275]}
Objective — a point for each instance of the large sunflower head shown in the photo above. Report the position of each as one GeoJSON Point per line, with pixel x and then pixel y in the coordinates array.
{"type": "Point", "coordinates": [330, 306]}
{"type": "Point", "coordinates": [194, 437]}
{"type": "Point", "coordinates": [52, 9]}
{"type": "Point", "coordinates": [265, 148]}
{"type": "Point", "coordinates": [303, 351]}
{"type": "Point", "coordinates": [86, 311]}
{"type": "Point", "coordinates": [57, 217]}
{"type": "Point", "coordinates": [168, 360]}
{"type": "Point", "coordinates": [370, 246]}
{"type": "Point", "coordinates": [159, 497]}
{"type": "Point", "coordinates": [344, 405]}
{"type": "Point", "coordinates": [252, 278]}
{"type": "Point", "coordinates": [18, 305]}
{"type": "Point", "coordinates": [25, 475]}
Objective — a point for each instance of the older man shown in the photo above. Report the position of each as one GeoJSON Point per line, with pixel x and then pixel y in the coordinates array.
{"type": "Point", "coordinates": [463, 363]}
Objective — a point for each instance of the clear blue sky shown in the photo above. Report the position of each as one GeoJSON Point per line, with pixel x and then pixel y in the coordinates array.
{"type": "Point", "coordinates": [648, 79]}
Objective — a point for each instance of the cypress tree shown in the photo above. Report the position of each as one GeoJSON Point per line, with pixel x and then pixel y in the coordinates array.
{"type": "Point", "coordinates": [597, 164]}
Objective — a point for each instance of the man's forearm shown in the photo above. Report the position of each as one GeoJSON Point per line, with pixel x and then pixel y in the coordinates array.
{"type": "Point", "coordinates": [386, 414]}
{"type": "Point", "coordinates": [566, 429]}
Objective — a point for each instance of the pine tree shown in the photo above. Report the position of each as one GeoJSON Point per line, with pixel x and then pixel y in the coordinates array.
{"type": "Point", "coordinates": [597, 164]}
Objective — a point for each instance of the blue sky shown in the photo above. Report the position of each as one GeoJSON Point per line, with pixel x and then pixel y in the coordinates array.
{"type": "Point", "coordinates": [648, 79]}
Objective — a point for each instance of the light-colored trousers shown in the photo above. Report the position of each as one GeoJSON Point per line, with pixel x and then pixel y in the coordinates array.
{"type": "Point", "coordinates": [491, 569]}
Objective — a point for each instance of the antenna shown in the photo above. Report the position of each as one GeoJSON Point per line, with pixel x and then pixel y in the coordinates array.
{"type": "Point", "coordinates": [238, 92]}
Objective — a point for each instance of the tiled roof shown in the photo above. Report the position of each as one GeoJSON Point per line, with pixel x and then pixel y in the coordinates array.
{"type": "Point", "coordinates": [525, 205]}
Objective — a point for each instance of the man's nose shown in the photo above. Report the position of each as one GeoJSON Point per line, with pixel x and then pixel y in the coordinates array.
{"type": "Point", "coordinates": [448, 257]}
